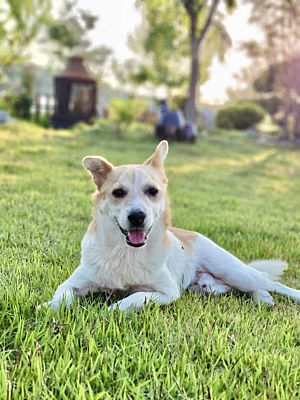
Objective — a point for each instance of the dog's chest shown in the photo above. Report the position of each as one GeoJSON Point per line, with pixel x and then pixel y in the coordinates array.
{"type": "Point", "coordinates": [118, 269]}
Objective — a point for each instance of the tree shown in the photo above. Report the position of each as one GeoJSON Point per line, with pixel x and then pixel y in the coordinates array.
{"type": "Point", "coordinates": [173, 32]}
{"type": "Point", "coordinates": [68, 34]}
{"type": "Point", "coordinates": [20, 24]}
{"type": "Point", "coordinates": [201, 14]}
{"type": "Point", "coordinates": [280, 86]}
{"type": "Point", "coordinates": [277, 58]}
{"type": "Point", "coordinates": [156, 55]}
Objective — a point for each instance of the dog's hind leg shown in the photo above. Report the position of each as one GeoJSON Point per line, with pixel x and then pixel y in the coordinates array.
{"type": "Point", "coordinates": [233, 272]}
{"type": "Point", "coordinates": [287, 291]}
{"type": "Point", "coordinates": [208, 284]}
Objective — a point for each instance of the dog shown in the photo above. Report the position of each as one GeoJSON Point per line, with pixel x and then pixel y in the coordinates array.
{"type": "Point", "coordinates": [130, 246]}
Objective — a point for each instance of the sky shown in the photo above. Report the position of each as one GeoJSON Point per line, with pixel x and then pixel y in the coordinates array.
{"type": "Point", "coordinates": [118, 18]}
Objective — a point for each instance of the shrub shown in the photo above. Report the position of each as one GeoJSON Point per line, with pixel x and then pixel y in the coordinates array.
{"type": "Point", "coordinates": [21, 105]}
{"type": "Point", "coordinates": [18, 105]}
{"type": "Point", "coordinates": [43, 120]}
{"type": "Point", "coordinates": [240, 116]}
{"type": "Point", "coordinates": [124, 112]}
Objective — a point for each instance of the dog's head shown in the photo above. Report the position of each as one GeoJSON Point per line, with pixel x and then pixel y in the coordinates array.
{"type": "Point", "coordinates": [132, 196]}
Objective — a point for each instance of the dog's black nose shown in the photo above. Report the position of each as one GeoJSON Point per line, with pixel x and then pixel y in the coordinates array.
{"type": "Point", "coordinates": [137, 218]}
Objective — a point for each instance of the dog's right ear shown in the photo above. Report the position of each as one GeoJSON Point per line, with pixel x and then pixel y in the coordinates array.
{"type": "Point", "coordinates": [99, 168]}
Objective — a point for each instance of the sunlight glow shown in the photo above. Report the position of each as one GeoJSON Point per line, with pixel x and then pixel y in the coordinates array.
{"type": "Point", "coordinates": [118, 18]}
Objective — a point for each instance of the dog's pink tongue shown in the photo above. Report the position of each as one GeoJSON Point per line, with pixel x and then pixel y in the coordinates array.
{"type": "Point", "coordinates": [136, 236]}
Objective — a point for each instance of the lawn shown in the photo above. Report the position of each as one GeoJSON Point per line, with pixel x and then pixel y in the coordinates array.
{"type": "Point", "coordinates": [244, 196]}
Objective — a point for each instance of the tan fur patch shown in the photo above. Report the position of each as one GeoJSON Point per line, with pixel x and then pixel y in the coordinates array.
{"type": "Point", "coordinates": [95, 200]}
{"type": "Point", "coordinates": [167, 212]}
{"type": "Point", "coordinates": [92, 228]}
{"type": "Point", "coordinates": [154, 161]}
{"type": "Point", "coordinates": [167, 240]}
{"type": "Point", "coordinates": [118, 173]}
{"type": "Point", "coordinates": [96, 197]}
{"type": "Point", "coordinates": [186, 238]}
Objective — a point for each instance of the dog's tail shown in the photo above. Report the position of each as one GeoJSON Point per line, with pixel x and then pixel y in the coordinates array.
{"type": "Point", "coordinates": [273, 269]}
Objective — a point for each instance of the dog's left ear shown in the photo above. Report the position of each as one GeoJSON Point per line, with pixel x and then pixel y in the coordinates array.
{"type": "Point", "coordinates": [99, 168]}
{"type": "Point", "coordinates": [158, 157]}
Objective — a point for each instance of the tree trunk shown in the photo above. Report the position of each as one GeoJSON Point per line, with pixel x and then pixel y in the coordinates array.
{"type": "Point", "coordinates": [196, 38]}
{"type": "Point", "coordinates": [297, 123]}
{"type": "Point", "coordinates": [190, 107]}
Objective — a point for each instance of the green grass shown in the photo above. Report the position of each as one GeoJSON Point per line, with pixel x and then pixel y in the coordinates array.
{"type": "Point", "coordinates": [243, 196]}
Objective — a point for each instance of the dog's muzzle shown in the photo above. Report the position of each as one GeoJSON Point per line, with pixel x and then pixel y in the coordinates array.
{"type": "Point", "coordinates": [135, 237]}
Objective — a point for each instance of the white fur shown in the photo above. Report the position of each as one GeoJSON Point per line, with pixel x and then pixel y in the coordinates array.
{"type": "Point", "coordinates": [161, 269]}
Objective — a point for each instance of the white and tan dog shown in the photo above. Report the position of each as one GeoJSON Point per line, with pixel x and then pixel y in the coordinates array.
{"type": "Point", "coordinates": [130, 245]}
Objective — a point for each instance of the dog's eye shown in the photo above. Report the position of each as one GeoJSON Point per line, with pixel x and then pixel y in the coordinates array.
{"type": "Point", "coordinates": [152, 191]}
{"type": "Point", "coordinates": [119, 193]}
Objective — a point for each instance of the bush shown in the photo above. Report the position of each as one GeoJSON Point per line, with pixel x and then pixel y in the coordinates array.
{"type": "Point", "coordinates": [124, 112]}
{"type": "Point", "coordinates": [43, 120]}
{"type": "Point", "coordinates": [240, 116]}
{"type": "Point", "coordinates": [18, 105]}
{"type": "Point", "coordinates": [21, 105]}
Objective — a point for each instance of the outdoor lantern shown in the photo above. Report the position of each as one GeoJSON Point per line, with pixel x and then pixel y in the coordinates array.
{"type": "Point", "coordinates": [75, 95]}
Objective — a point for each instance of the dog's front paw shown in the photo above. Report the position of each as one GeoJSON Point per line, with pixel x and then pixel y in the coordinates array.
{"type": "Point", "coordinates": [55, 303]}
{"type": "Point", "coordinates": [50, 304]}
{"type": "Point", "coordinates": [65, 297]}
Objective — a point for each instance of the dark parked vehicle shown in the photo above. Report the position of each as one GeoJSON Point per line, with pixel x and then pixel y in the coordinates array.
{"type": "Point", "coordinates": [172, 125]}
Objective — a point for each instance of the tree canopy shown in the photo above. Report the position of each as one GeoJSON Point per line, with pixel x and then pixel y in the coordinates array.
{"type": "Point", "coordinates": [161, 44]}
{"type": "Point", "coordinates": [276, 58]}
{"type": "Point", "coordinates": [20, 24]}
{"type": "Point", "coordinates": [173, 33]}
{"type": "Point", "coordinates": [69, 34]}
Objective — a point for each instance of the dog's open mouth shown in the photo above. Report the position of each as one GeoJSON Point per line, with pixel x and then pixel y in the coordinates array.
{"type": "Point", "coordinates": [135, 237]}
